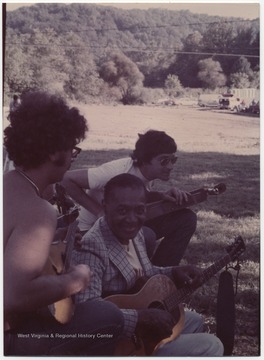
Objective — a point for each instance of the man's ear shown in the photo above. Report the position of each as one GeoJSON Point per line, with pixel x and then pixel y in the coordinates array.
{"type": "Point", "coordinates": [55, 156]}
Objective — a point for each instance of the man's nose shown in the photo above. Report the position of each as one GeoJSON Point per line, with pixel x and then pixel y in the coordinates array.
{"type": "Point", "coordinates": [131, 216]}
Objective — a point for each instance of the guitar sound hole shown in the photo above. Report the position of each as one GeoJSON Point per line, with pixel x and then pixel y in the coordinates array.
{"type": "Point", "coordinates": [156, 305]}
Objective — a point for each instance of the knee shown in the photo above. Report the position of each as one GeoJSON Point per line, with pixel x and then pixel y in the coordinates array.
{"type": "Point", "coordinates": [185, 218]}
{"type": "Point", "coordinates": [194, 322]}
{"type": "Point", "coordinates": [198, 320]}
{"type": "Point", "coordinates": [189, 220]}
{"type": "Point", "coordinates": [214, 346]}
{"type": "Point", "coordinates": [103, 314]}
{"type": "Point", "coordinates": [205, 344]}
{"type": "Point", "coordinates": [191, 217]}
{"type": "Point", "coordinates": [112, 314]}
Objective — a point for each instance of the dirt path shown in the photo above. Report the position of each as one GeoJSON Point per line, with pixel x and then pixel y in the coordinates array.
{"type": "Point", "coordinates": [194, 129]}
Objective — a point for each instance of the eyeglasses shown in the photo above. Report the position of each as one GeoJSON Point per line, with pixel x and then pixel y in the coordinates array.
{"type": "Point", "coordinates": [167, 160]}
{"type": "Point", "coordinates": [76, 151]}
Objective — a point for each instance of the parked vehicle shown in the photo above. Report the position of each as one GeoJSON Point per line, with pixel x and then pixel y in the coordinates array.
{"type": "Point", "coordinates": [239, 100]}
{"type": "Point", "coordinates": [231, 102]}
{"type": "Point", "coordinates": [209, 100]}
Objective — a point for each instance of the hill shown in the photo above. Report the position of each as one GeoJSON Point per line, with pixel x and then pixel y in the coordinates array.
{"type": "Point", "coordinates": [48, 42]}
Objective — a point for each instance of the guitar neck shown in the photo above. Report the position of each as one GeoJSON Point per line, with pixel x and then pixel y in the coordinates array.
{"type": "Point", "coordinates": [178, 297]}
{"type": "Point", "coordinates": [197, 196]}
{"type": "Point", "coordinates": [164, 207]}
{"type": "Point", "coordinates": [69, 240]}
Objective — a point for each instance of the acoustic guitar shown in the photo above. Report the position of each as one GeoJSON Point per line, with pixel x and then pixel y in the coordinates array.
{"type": "Point", "coordinates": [160, 292]}
{"type": "Point", "coordinates": [60, 259]}
{"type": "Point", "coordinates": [163, 207]}
{"type": "Point", "coordinates": [61, 252]}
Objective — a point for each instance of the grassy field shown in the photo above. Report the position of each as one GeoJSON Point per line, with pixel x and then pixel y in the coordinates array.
{"type": "Point", "coordinates": [214, 146]}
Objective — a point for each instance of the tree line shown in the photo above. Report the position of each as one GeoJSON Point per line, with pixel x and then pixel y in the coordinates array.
{"type": "Point", "coordinates": [94, 53]}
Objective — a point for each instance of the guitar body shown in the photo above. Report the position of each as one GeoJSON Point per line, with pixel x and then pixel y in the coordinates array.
{"type": "Point", "coordinates": [55, 261]}
{"type": "Point", "coordinates": [63, 310]}
{"type": "Point", "coordinates": [60, 252]}
{"type": "Point", "coordinates": [160, 292]}
{"type": "Point", "coordinates": [152, 295]}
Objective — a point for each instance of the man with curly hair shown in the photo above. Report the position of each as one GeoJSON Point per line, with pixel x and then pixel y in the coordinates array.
{"type": "Point", "coordinates": [41, 140]}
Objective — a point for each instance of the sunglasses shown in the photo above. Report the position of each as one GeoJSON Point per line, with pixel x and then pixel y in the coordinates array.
{"type": "Point", "coordinates": [166, 161]}
{"type": "Point", "coordinates": [76, 151]}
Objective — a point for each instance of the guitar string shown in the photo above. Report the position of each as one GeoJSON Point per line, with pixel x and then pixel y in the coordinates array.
{"type": "Point", "coordinates": [69, 244]}
{"type": "Point", "coordinates": [181, 294]}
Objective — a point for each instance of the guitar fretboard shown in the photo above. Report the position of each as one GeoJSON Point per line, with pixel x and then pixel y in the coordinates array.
{"type": "Point", "coordinates": [69, 244]}
{"type": "Point", "coordinates": [163, 207]}
{"type": "Point", "coordinates": [176, 298]}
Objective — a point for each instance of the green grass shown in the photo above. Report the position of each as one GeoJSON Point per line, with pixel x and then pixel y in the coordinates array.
{"type": "Point", "coordinates": [220, 219]}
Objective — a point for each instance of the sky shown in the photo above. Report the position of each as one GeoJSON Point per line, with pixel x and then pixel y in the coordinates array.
{"type": "Point", "coordinates": [246, 10]}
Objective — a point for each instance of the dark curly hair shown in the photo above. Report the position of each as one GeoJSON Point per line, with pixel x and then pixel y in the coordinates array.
{"type": "Point", "coordinates": [151, 144]}
{"type": "Point", "coordinates": [41, 125]}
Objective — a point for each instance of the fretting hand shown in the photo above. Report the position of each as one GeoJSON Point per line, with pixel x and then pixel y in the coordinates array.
{"type": "Point", "coordinates": [187, 275]}
{"type": "Point", "coordinates": [176, 195]}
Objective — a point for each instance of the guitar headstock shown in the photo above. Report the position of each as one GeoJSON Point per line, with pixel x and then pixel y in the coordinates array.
{"type": "Point", "coordinates": [217, 189]}
{"type": "Point", "coordinates": [68, 211]}
{"type": "Point", "coordinates": [63, 202]}
{"type": "Point", "coordinates": [236, 249]}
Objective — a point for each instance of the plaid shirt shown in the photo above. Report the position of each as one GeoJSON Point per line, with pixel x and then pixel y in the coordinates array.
{"type": "Point", "coordinates": [112, 272]}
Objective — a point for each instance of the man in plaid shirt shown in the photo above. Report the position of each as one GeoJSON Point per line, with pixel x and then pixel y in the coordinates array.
{"type": "Point", "coordinates": [115, 250]}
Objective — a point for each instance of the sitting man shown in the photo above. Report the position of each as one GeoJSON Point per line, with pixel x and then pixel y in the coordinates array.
{"type": "Point", "coordinates": [115, 250]}
{"type": "Point", "coordinates": [153, 158]}
{"type": "Point", "coordinates": [41, 140]}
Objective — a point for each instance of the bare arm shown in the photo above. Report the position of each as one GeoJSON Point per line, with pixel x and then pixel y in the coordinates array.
{"type": "Point", "coordinates": [25, 256]}
{"type": "Point", "coordinates": [75, 183]}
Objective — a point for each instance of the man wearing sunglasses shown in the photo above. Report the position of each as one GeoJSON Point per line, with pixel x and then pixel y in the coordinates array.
{"type": "Point", "coordinates": [153, 158]}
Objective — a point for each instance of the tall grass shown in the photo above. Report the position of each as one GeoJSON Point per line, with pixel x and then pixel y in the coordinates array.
{"type": "Point", "coordinates": [221, 218]}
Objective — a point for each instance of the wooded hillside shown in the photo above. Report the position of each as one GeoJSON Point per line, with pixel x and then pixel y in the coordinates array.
{"type": "Point", "coordinates": [90, 52]}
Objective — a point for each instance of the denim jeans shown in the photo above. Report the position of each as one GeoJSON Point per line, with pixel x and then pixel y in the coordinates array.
{"type": "Point", "coordinates": [192, 340]}
{"type": "Point", "coordinates": [93, 331]}
{"type": "Point", "coordinates": [177, 229]}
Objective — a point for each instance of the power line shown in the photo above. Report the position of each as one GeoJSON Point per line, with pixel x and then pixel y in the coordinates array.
{"type": "Point", "coordinates": [135, 49]}
{"type": "Point", "coordinates": [137, 27]}
{"type": "Point", "coordinates": [216, 54]}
